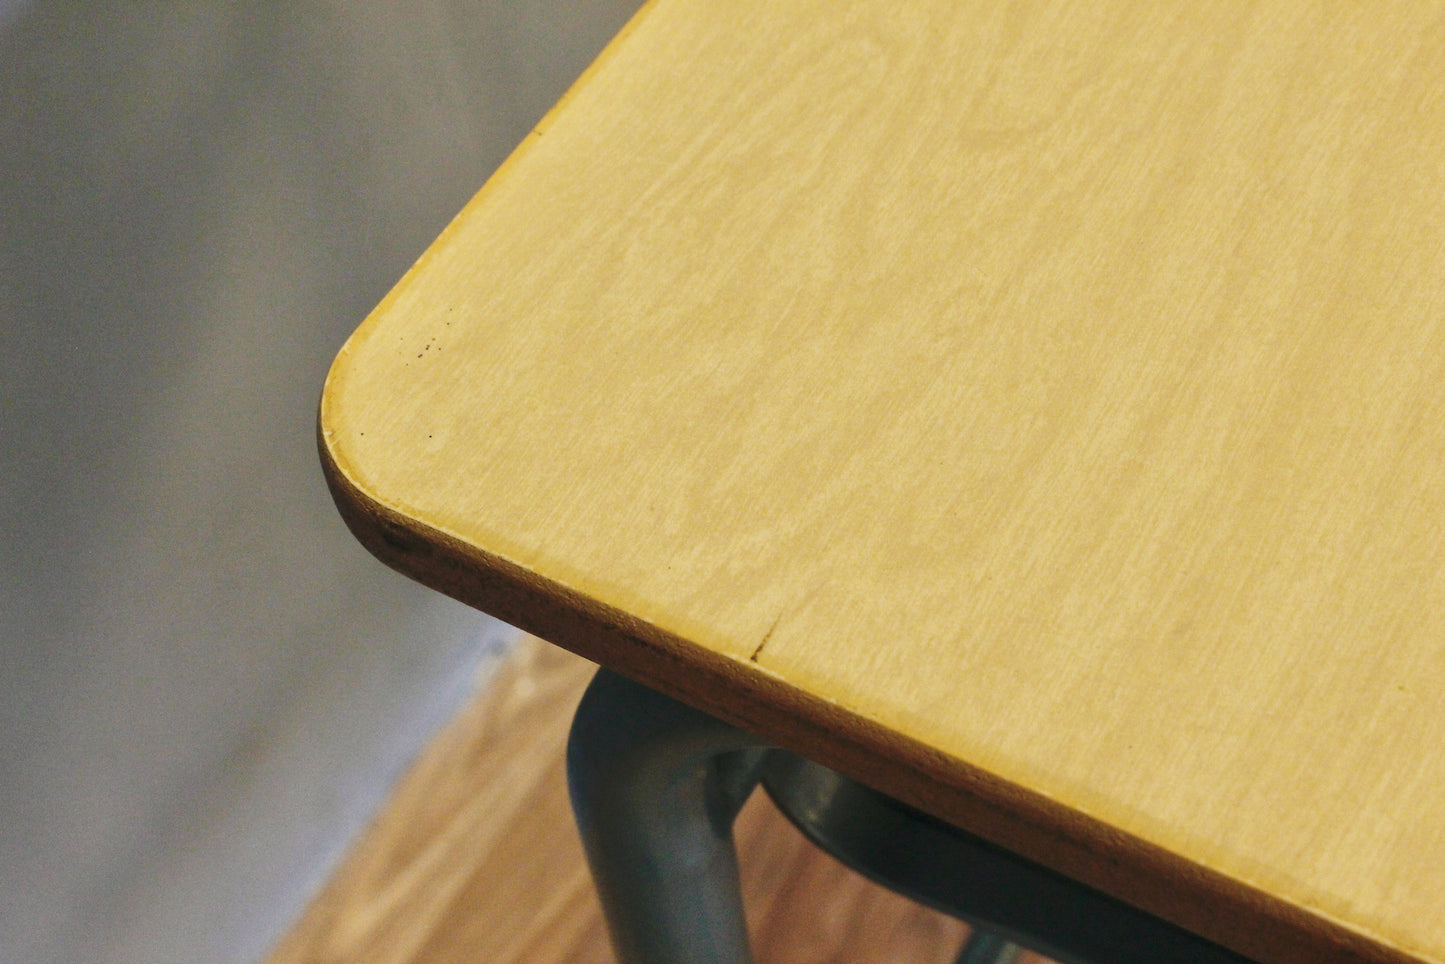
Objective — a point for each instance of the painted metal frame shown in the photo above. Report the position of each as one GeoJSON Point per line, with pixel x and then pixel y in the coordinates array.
{"type": "Point", "coordinates": [656, 786]}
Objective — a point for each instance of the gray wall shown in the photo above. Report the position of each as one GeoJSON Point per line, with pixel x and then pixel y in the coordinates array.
{"type": "Point", "coordinates": [205, 684]}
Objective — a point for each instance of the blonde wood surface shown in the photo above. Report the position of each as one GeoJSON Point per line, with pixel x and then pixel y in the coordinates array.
{"type": "Point", "coordinates": [1036, 410]}
{"type": "Point", "coordinates": [474, 859]}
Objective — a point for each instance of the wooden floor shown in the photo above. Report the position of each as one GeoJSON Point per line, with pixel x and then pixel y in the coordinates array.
{"type": "Point", "coordinates": [474, 859]}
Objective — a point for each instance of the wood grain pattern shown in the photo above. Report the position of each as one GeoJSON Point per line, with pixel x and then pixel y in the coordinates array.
{"type": "Point", "coordinates": [1035, 410]}
{"type": "Point", "coordinates": [474, 859]}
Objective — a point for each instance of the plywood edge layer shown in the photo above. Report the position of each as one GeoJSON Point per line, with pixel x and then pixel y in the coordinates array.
{"type": "Point", "coordinates": [1228, 911]}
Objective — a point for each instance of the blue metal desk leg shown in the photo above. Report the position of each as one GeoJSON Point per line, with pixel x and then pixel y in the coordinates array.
{"type": "Point", "coordinates": [656, 787]}
{"type": "Point", "coordinates": [986, 948]}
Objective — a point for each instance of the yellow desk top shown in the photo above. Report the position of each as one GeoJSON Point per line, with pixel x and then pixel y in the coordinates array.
{"type": "Point", "coordinates": [1034, 409]}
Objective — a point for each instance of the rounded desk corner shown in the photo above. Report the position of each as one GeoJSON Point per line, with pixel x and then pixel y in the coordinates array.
{"type": "Point", "coordinates": [365, 515]}
{"type": "Point", "coordinates": [386, 533]}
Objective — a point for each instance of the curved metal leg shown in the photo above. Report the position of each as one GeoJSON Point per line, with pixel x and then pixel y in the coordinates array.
{"type": "Point", "coordinates": [1011, 899]}
{"type": "Point", "coordinates": [986, 948]}
{"type": "Point", "coordinates": [655, 787]}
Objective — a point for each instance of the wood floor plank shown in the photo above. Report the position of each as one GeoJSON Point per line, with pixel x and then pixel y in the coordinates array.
{"type": "Point", "coordinates": [474, 858]}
